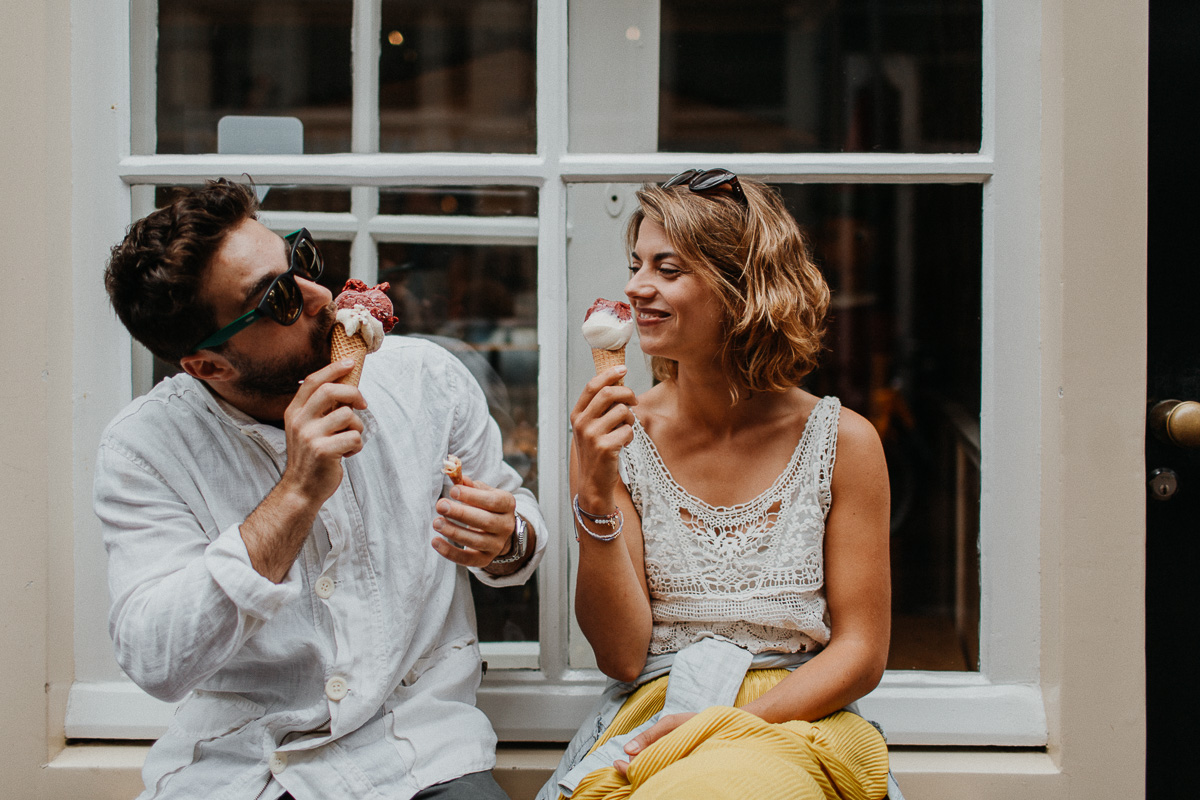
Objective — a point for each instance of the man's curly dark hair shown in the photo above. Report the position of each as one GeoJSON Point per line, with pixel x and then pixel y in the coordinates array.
{"type": "Point", "coordinates": [154, 275]}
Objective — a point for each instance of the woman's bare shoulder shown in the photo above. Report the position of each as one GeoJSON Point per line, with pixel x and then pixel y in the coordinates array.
{"type": "Point", "coordinates": [655, 404]}
{"type": "Point", "coordinates": [859, 450]}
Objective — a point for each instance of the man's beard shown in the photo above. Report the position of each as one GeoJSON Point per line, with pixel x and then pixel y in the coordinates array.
{"type": "Point", "coordinates": [281, 376]}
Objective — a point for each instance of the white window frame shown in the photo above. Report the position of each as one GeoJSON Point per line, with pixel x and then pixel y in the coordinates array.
{"type": "Point", "coordinates": [1001, 704]}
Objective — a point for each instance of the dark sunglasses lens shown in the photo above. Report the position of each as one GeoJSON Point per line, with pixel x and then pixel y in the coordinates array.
{"type": "Point", "coordinates": [712, 179]}
{"type": "Point", "coordinates": [681, 178]}
{"type": "Point", "coordinates": [306, 259]}
{"type": "Point", "coordinates": [283, 300]}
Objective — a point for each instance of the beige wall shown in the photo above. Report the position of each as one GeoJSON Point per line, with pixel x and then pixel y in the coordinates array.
{"type": "Point", "coordinates": [1094, 294]}
{"type": "Point", "coordinates": [1093, 214]}
{"type": "Point", "coordinates": [34, 208]}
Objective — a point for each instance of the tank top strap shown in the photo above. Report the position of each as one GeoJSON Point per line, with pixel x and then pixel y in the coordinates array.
{"type": "Point", "coordinates": [824, 425]}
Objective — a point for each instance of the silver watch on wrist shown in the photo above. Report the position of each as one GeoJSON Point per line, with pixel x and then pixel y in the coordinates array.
{"type": "Point", "coordinates": [519, 538]}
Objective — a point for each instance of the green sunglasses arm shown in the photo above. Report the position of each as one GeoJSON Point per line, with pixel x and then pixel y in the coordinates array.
{"type": "Point", "coordinates": [223, 335]}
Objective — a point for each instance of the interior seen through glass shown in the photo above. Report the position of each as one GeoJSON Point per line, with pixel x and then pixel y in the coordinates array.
{"type": "Point", "coordinates": [271, 57]}
{"type": "Point", "coordinates": [457, 76]}
{"type": "Point", "coordinates": [777, 76]}
{"type": "Point", "coordinates": [481, 304]}
{"type": "Point", "coordinates": [903, 349]}
{"type": "Point", "coordinates": [454, 76]}
{"type": "Point", "coordinates": [476, 201]}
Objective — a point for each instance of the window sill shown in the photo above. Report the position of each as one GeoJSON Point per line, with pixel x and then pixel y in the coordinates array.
{"type": "Point", "coordinates": [104, 771]}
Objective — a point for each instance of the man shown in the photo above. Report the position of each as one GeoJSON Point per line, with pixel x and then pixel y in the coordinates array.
{"type": "Point", "coordinates": [269, 530]}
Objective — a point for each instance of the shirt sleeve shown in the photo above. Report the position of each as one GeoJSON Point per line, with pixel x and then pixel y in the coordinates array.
{"type": "Point", "coordinates": [475, 438]}
{"type": "Point", "coordinates": [184, 600]}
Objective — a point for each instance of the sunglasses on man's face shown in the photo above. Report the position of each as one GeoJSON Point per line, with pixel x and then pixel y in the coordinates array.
{"type": "Point", "coordinates": [709, 180]}
{"type": "Point", "coordinates": [283, 301]}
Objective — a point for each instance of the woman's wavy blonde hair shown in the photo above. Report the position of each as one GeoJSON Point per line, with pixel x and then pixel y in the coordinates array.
{"type": "Point", "coordinates": [755, 259]}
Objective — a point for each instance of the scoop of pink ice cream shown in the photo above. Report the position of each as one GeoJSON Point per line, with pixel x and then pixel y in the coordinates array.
{"type": "Point", "coordinates": [374, 300]}
{"type": "Point", "coordinates": [622, 310]}
{"type": "Point", "coordinates": [608, 325]}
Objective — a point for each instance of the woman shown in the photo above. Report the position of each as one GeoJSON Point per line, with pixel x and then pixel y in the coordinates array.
{"type": "Point", "coordinates": [732, 527]}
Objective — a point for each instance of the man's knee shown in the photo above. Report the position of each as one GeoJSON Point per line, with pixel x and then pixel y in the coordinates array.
{"type": "Point", "coordinates": [475, 786]}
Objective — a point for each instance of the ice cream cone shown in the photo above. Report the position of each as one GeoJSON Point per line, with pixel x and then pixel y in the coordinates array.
{"type": "Point", "coordinates": [452, 466]}
{"type": "Point", "coordinates": [607, 359]}
{"type": "Point", "coordinates": [343, 346]}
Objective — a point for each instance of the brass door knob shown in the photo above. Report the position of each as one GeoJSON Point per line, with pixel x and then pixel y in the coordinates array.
{"type": "Point", "coordinates": [1177, 422]}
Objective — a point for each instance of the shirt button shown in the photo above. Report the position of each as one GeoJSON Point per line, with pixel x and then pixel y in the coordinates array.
{"type": "Point", "coordinates": [336, 688]}
{"type": "Point", "coordinates": [278, 763]}
{"type": "Point", "coordinates": [324, 587]}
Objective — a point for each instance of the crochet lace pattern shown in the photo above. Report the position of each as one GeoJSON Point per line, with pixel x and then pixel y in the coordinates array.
{"type": "Point", "coordinates": [752, 573]}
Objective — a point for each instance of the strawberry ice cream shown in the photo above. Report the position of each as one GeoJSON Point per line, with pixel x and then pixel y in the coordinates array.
{"type": "Point", "coordinates": [364, 315]}
{"type": "Point", "coordinates": [607, 327]}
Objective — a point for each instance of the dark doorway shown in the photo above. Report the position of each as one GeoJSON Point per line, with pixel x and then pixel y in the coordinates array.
{"type": "Point", "coordinates": [1172, 525]}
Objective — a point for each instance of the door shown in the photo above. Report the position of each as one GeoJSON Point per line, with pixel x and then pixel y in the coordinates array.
{"type": "Point", "coordinates": [1173, 510]}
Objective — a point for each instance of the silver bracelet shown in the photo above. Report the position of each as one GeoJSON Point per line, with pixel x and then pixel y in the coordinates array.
{"type": "Point", "coordinates": [614, 520]}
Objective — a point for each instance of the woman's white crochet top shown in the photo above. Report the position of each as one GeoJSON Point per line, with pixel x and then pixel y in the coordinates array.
{"type": "Point", "coordinates": [751, 573]}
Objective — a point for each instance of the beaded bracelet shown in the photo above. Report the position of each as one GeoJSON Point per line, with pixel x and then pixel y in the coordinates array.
{"type": "Point", "coordinates": [613, 520]}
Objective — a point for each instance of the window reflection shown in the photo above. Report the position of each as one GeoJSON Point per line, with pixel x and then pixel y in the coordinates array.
{"type": "Point", "coordinates": [481, 304]}
{"type": "Point", "coordinates": [269, 57]}
{"type": "Point", "coordinates": [486, 201]}
{"type": "Point", "coordinates": [457, 76]}
{"type": "Point", "coordinates": [820, 76]}
{"type": "Point", "coordinates": [329, 199]}
{"type": "Point", "coordinates": [904, 350]}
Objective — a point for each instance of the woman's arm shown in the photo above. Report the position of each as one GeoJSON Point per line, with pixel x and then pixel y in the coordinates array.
{"type": "Point", "coordinates": [857, 586]}
{"type": "Point", "coordinates": [612, 602]}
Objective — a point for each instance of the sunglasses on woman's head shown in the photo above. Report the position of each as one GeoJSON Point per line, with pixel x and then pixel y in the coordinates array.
{"type": "Point", "coordinates": [709, 180]}
{"type": "Point", "coordinates": [283, 301]}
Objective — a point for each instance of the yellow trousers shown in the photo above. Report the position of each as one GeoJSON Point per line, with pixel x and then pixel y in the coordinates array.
{"type": "Point", "coordinates": [724, 753]}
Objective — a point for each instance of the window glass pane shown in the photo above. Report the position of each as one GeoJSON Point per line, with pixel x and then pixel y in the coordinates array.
{"type": "Point", "coordinates": [457, 76]}
{"type": "Point", "coordinates": [270, 58]}
{"type": "Point", "coordinates": [903, 349]}
{"type": "Point", "coordinates": [486, 201]}
{"type": "Point", "coordinates": [481, 304]}
{"type": "Point", "coordinates": [330, 199]}
{"type": "Point", "coordinates": [780, 76]}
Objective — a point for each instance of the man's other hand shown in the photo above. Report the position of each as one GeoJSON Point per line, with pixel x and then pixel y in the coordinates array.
{"type": "Point", "coordinates": [476, 524]}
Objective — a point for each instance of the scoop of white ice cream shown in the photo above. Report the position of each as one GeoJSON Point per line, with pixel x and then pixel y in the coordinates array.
{"type": "Point", "coordinates": [604, 330]}
{"type": "Point", "coordinates": [359, 320]}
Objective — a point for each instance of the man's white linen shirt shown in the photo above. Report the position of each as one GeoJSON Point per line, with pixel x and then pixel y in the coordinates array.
{"type": "Point", "coordinates": [355, 676]}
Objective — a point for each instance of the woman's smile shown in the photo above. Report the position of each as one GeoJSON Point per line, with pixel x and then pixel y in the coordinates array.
{"type": "Point", "coordinates": [650, 316]}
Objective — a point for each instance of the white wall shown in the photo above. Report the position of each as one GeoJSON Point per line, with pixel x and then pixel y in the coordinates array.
{"type": "Point", "coordinates": [1093, 275]}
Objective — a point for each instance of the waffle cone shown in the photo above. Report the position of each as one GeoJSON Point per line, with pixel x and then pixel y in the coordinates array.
{"type": "Point", "coordinates": [607, 359]}
{"type": "Point", "coordinates": [343, 346]}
